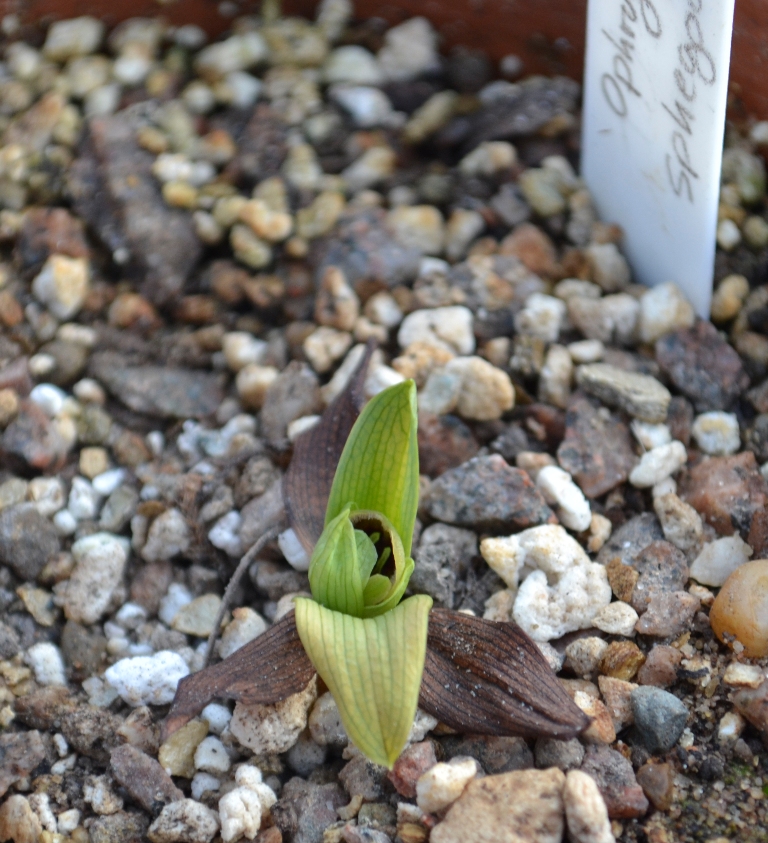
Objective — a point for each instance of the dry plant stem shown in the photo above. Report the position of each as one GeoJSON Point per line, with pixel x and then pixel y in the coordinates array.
{"type": "Point", "coordinates": [234, 581]}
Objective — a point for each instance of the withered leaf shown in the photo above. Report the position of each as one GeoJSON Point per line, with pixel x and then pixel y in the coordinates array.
{"type": "Point", "coordinates": [265, 670]}
{"type": "Point", "coordinates": [491, 679]}
{"type": "Point", "coordinates": [479, 676]}
{"type": "Point", "coordinates": [316, 453]}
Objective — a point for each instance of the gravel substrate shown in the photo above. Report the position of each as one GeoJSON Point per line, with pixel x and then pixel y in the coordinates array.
{"type": "Point", "coordinates": [196, 242]}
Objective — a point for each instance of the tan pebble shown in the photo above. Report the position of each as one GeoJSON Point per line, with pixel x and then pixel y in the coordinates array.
{"type": "Point", "coordinates": [177, 754]}
{"type": "Point", "coordinates": [657, 782]}
{"type": "Point", "coordinates": [729, 297]}
{"type": "Point", "coordinates": [740, 610]}
{"type": "Point", "coordinates": [131, 309]}
{"type": "Point", "coordinates": [180, 194]}
{"type": "Point", "coordinates": [601, 729]}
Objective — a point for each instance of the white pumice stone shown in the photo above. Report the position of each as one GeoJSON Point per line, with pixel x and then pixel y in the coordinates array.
{"type": "Point", "coordinates": [650, 435]}
{"type": "Point", "coordinates": [204, 783]}
{"type": "Point", "coordinates": [293, 550]}
{"type": "Point", "coordinates": [47, 663]}
{"type": "Point", "coordinates": [449, 328]}
{"type": "Point", "coordinates": [218, 717]}
{"type": "Point", "coordinates": [617, 618]}
{"type": "Point", "coordinates": [147, 680]}
{"type": "Point", "coordinates": [658, 464]}
{"type": "Point", "coordinates": [558, 488]}
{"type": "Point", "coordinates": [49, 398]}
{"type": "Point", "coordinates": [211, 756]}
{"type": "Point", "coordinates": [444, 783]}
{"type": "Point", "coordinates": [717, 433]}
{"type": "Point", "coordinates": [541, 317]}
{"type": "Point", "coordinates": [176, 597]}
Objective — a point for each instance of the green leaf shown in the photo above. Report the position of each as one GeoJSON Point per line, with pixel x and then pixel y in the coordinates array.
{"type": "Point", "coordinates": [379, 466]}
{"type": "Point", "coordinates": [335, 577]}
{"type": "Point", "coordinates": [373, 668]}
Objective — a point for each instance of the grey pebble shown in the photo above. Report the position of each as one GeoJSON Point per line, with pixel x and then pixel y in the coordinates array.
{"type": "Point", "coordinates": [660, 717]}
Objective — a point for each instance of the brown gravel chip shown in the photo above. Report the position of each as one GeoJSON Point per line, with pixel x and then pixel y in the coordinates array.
{"type": "Point", "coordinates": [414, 760]}
{"type": "Point", "coordinates": [703, 366]}
{"type": "Point", "coordinates": [627, 541]}
{"type": "Point", "coordinates": [20, 753]}
{"type": "Point", "coordinates": [31, 441]}
{"type": "Point", "coordinates": [662, 568]}
{"type": "Point", "coordinates": [616, 781]}
{"type": "Point", "coordinates": [726, 491]}
{"type": "Point", "coordinates": [122, 827]}
{"type": "Point", "coordinates": [486, 493]}
{"type": "Point", "coordinates": [47, 231]}
{"type": "Point", "coordinates": [445, 442]}
{"type": "Point", "coordinates": [261, 147]}
{"type": "Point", "coordinates": [597, 449]}
{"type": "Point", "coordinates": [660, 668]}
{"type": "Point", "coordinates": [91, 731]}
{"type": "Point", "coordinates": [44, 708]}
{"type": "Point", "coordinates": [157, 243]}
{"type": "Point", "coordinates": [668, 615]}
{"type": "Point", "coordinates": [657, 782]}
{"type": "Point", "coordinates": [143, 777]}
{"type": "Point", "coordinates": [158, 390]}
{"type": "Point", "coordinates": [305, 809]}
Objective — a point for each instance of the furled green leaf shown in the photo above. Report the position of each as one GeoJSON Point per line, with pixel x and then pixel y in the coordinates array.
{"type": "Point", "coordinates": [379, 467]}
{"type": "Point", "coordinates": [335, 577]}
{"type": "Point", "coordinates": [372, 666]}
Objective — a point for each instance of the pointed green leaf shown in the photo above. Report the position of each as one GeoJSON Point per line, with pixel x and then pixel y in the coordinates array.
{"type": "Point", "coordinates": [334, 573]}
{"type": "Point", "coordinates": [379, 467]}
{"type": "Point", "coordinates": [373, 668]}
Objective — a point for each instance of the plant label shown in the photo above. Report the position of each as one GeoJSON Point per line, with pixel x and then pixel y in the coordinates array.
{"type": "Point", "coordinates": [655, 85]}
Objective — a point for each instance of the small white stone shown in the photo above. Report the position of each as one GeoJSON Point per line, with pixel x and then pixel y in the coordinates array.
{"type": "Point", "coordinates": [556, 376]}
{"type": "Point", "coordinates": [225, 534]}
{"type": "Point", "coordinates": [198, 97]}
{"type": "Point", "coordinates": [381, 378]}
{"type": "Point", "coordinates": [741, 675]}
{"type": "Point", "coordinates": [352, 65]}
{"type": "Point", "coordinates": [546, 611]}
{"type": "Point", "coordinates": [49, 398]}
{"type": "Point", "coordinates": [679, 520]}
{"type": "Point", "coordinates": [243, 88]}
{"type": "Point", "coordinates": [483, 391]}
{"type": "Point", "coordinates": [558, 488]}
{"type": "Point", "coordinates": [324, 346]}
{"type": "Point", "coordinates": [68, 821]}
{"type": "Point", "coordinates": [372, 167]}
{"type": "Point", "coordinates": [585, 811]}
{"type": "Point", "coordinates": [586, 351]}
{"type": "Point", "coordinates": [730, 727]}
{"type": "Point", "coordinates": [367, 106]}
{"type": "Point", "coordinates": [423, 723]}
{"type": "Point", "coordinates": [218, 717]}
{"type": "Point", "coordinates": [728, 235]}
{"type": "Point", "coordinates": [241, 809]}
{"type": "Point", "coordinates": [449, 328]}
{"type": "Point", "coordinates": [383, 309]}
{"type": "Point", "coordinates": [409, 50]}
{"type": "Point", "coordinates": [267, 729]}
{"type": "Point", "coordinates": [62, 285]}
{"type": "Point", "coordinates": [147, 680]}
{"type": "Point", "coordinates": [293, 550]}
{"type": "Point", "coordinates": [241, 348]}
{"type": "Point", "coordinates": [100, 562]}
{"type": "Point", "coordinates": [717, 433]}
{"type": "Point", "coordinates": [488, 158]}
{"type": "Point", "coordinates": [47, 663]}
{"type": "Point", "coordinates": [418, 227]}
{"type": "Point", "coordinates": [719, 559]}
{"type": "Point", "coordinates": [23, 61]}
{"type": "Point", "coordinates": [244, 627]}
{"type": "Point", "coordinates": [541, 317]}
{"type": "Point", "coordinates": [131, 69]}
{"type": "Point", "coordinates": [443, 784]}
{"type": "Point", "coordinates": [185, 820]}
{"type": "Point", "coordinates": [64, 522]}
{"type": "Point", "coordinates": [78, 334]}
{"type": "Point", "coordinates": [609, 267]}
{"type": "Point", "coordinates": [616, 618]}
{"type": "Point", "coordinates": [650, 435]}
{"type": "Point", "coordinates": [89, 391]}
{"type": "Point", "coordinates": [584, 655]}
{"type": "Point", "coordinates": [658, 464]}
{"type": "Point", "coordinates": [239, 52]}
{"type": "Point", "coordinates": [204, 783]}
{"type": "Point", "coordinates": [47, 494]}
{"type": "Point", "coordinates": [106, 482]}
{"type": "Point", "coordinates": [102, 101]}
{"type": "Point", "coordinates": [131, 616]}
{"type": "Point", "coordinates": [211, 756]}
{"type": "Point", "coordinates": [663, 309]}
{"type": "Point", "coordinates": [168, 536]}
{"type": "Point", "coordinates": [300, 425]}
{"type": "Point", "coordinates": [74, 37]}
{"type": "Point", "coordinates": [84, 500]}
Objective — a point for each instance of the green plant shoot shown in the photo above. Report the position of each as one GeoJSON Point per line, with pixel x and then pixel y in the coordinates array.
{"type": "Point", "coordinates": [367, 646]}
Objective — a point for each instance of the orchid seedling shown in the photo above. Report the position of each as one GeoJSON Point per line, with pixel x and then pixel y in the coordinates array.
{"type": "Point", "coordinates": [351, 496]}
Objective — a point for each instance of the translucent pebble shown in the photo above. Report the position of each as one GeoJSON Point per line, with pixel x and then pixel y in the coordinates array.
{"type": "Point", "coordinates": [740, 609]}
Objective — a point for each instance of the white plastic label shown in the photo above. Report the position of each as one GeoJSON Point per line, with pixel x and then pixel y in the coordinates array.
{"type": "Point", "coordinates": [655, 85]}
